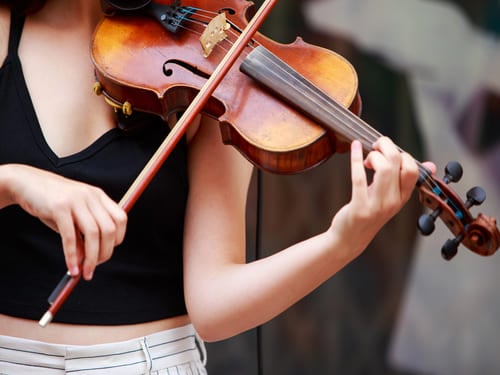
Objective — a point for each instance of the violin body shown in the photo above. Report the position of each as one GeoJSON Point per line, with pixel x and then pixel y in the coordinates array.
{"type": "Point", "coordinates": [139, 62]}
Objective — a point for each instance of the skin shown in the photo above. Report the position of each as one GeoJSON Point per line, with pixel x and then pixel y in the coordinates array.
{"type": "Point", "coordinates": [224, 294]}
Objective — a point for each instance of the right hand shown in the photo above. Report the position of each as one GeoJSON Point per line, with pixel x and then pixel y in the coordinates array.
{"type": "Point", "coordinates": [90, 223]}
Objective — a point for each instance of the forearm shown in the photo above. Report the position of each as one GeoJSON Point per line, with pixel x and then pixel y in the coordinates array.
{"type": "Point", "coordinates": [238, 297]}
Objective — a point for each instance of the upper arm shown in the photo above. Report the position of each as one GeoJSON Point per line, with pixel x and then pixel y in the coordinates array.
{"type": "Point", "coordinates": [4, 32]}
{"type": "Point", "coordinates": [215, 217]}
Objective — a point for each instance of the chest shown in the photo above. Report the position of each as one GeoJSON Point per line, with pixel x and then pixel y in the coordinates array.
{"type": "Point", "coordinates": [59, 78]}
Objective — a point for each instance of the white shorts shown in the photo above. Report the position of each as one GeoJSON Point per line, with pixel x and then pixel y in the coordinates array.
{"type": "Point", "coordinates": [177, 351]}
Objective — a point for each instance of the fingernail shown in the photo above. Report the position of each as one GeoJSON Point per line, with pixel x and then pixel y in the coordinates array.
{"type": "Point", "coordinates": [75, 271]}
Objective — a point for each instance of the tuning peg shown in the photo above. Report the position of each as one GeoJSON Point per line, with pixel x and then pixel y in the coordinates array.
{"type": "Point", "coordinates": [426, 222]}
{"type": "Point", "coordinates": [450, 247]}
{"type": "Point", "coordinates": [453, 172]}
{"type": "Point", "coordinates": [475, 196]}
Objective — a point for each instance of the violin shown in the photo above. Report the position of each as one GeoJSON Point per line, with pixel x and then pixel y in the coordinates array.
{"type": "Point", "coordinates": [286, 107]}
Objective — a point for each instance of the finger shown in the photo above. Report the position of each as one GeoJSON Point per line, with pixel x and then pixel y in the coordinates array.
{"type": "Point", "coordinates": [358, 173]}
{"type": "Point", "coordinates": [119, 217]}
{"type": "Point", "coordinates": [390, 151]}
{"type": "Point", "coordinates": [430, 166]}
{"type": "Point", "coordinates": [111, 221]}
{"type": "Point", "coordinates": [107, 231]}
{"type": "Point", "coordinates": [408, 176]}
{"type": "Point", "coordinates": [89, 229]}
{"type": "Point", "coordinates": [68, 233]}
{"type": "Point", "coordinates": [385, 184]}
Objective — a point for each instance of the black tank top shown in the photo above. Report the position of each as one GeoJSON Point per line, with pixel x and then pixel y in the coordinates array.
{"type": "Point", "coordinates": [143, 280]}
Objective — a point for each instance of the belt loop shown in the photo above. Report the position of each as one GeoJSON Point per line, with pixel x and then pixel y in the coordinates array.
{"type": "Point", "coordinates": [149, 361]}
{"type": "Point", "coordinates": [201, 348]}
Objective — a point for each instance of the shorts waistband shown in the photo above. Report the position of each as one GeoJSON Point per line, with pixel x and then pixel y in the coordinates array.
{"type": "Point", "coordinates": [142, 355]}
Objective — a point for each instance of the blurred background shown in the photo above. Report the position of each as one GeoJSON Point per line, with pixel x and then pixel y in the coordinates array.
{"type": "Point", "coordinates": [429, 77]}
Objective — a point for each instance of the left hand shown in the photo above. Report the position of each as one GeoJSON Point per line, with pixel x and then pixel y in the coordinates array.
{"type": "Point", "coordinates": [373, 204]}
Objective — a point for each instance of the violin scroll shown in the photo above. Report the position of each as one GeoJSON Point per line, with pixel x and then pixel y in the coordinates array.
{"type": "Point", "coordinates": [479, 234]}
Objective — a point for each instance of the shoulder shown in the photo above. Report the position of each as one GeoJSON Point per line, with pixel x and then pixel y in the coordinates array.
{"type": "Point", "coordinates": [4, 31]}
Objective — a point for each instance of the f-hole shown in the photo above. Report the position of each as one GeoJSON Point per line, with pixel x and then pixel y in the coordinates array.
{"type": "Point", "coordinates": [168, 71]}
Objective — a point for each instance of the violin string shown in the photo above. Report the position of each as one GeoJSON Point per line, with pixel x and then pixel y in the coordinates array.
{"type": "Point", "coordinates": [361, 130]}
{"type": "Point", "coordinates": [366, 133]}
{"type": "Point", "coordinates": [358, 130]}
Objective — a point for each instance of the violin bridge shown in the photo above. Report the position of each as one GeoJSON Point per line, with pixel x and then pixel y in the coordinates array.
{"type": "Point", "coordinates": [214, 33]}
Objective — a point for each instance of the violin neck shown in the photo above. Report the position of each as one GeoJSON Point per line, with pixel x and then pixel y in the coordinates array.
{"type": "Point", "coordinates": [292, 87]}
{"type": "Point", "coordinates": [280, 78]}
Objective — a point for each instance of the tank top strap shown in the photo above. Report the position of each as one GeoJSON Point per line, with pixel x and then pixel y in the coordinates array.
{"type": "Point", "coordinates": [16, 29]}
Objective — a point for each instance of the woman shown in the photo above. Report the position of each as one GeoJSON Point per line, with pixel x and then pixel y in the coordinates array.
{"type": "Point", "coordinates": [176, 265]}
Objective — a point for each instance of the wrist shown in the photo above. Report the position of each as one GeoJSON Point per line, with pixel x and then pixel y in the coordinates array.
{"type": "Point", "coordinates": [343, 249]}
{"type": "Point", "coordinates": [7, 182]}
